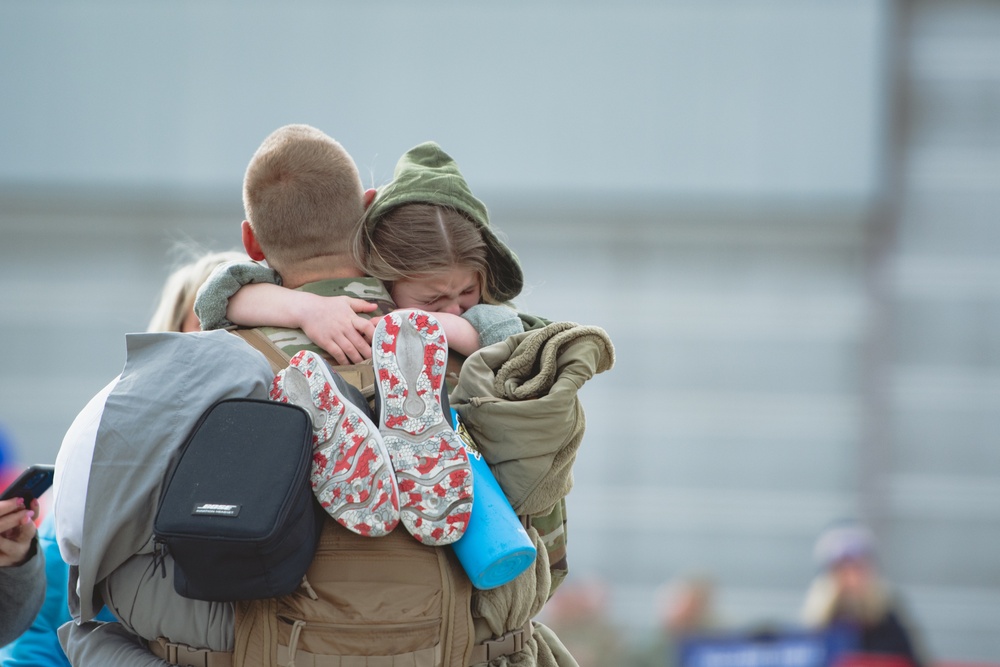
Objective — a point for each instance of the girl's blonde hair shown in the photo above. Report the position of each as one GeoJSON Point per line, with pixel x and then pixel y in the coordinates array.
{"type": "Point", "coordinates": [181, 288]}
{"type": "Point", "coordinates": [416, 240]}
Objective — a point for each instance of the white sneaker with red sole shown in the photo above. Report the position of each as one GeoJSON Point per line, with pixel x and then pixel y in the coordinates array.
{"type": "Point", "coordinates": [410, 354]}
{"type": "Point", "coordinates": [352, 473]}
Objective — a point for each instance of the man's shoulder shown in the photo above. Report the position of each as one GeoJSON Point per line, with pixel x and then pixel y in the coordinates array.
{"type": "Point", "coordinates": [292, 341]}
{"type": "Point", "coordinates": [369, 289]}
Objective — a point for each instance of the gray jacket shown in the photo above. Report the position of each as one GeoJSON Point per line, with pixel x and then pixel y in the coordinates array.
{"type": "Point", "coordinates": [169, 380]}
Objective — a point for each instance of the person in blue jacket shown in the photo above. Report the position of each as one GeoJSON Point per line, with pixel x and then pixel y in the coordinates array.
{"type": "Point", "coordinates": [39, 645]}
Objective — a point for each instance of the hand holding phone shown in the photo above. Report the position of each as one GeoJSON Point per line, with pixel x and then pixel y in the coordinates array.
{"type": "Point", "coordinates": [17, 530]}
{"type": "Point", "coordinates": [31, 483]}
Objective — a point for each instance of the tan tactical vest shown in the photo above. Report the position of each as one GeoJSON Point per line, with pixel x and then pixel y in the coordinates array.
{"type": "Point", "coordinates": [364, 602]}
{"type": "Point", "coordinates": [409, 602]}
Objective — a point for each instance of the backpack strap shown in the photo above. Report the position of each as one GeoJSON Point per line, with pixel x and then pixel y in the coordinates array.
{"type": "Point", "coordinates": [370, 602]}
{"type": "Point", "coordinates": [507, 644]}
{"type": "Point", "coordinates": [361, 376]}
{"type": "Point", "coordinates": [259, 341]}
{"type": "Point", "coordinates": [187, 656]}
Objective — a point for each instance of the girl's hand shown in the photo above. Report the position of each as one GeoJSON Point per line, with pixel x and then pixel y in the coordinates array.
{"type": "Point", "coordinates": [17, 530]}
{"type": "Point", "coordinates": [333, 323]}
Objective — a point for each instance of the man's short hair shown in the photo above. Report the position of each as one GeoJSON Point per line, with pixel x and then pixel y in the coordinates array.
{"type": "Point", "coordinates": [302, 195]}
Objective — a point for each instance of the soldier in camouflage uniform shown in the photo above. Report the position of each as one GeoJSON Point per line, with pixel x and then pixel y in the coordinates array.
{"type": "Point", "coordinates": [427, 175]}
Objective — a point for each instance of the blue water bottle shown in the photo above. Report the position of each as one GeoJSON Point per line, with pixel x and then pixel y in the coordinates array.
{"type": "Point", "coordinates": [495, 548]}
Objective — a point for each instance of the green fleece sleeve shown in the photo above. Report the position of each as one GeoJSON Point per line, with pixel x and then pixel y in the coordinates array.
{"type": "Point", "coordinates": [213, 297]}
{"type": "Point", "coordinates": [493, 323]}
{"type": "Point", "coordinates": [533, 322]}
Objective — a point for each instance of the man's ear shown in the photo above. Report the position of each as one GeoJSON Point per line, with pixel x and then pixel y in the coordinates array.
{"type": "Point", "coordinates": [369, 197]}
{"type": "Point", "coordinates": [250, 242]}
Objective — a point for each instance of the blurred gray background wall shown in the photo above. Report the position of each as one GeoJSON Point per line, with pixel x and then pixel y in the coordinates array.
{"type": "Point", "coordinates": [784, 213]}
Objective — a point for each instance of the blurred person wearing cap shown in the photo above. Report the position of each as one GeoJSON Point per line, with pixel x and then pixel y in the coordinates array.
{"type": "Point", "coordinates": [849, 592]}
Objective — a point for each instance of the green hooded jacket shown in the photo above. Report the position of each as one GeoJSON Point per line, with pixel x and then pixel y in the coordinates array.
{"type": "Point", "coordinates": [427, 175]}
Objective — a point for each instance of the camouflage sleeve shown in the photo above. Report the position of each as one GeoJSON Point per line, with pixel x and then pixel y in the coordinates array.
{"type": "Point", "coordinates": [551, 529]}
{"type": "Point", "coordinates": [212, 301]}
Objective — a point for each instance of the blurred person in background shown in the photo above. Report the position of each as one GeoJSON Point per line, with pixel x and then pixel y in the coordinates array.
{"type": "Point", "coordinates": [578, 613]}
{"type": "Point", "coordinates": [175, 309]}
{"type": "Point", "coordinates": [848, 592]}
{"type": "Point", "coordinates": [684, 607]}
{"type": "Point", "coordinates": [39, 646]}
{"type": "Point", "coordinates": [22, 568]}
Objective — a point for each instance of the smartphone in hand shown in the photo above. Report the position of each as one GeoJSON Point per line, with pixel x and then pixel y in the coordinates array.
{"type": "Point", "coordinates": [31, 483]}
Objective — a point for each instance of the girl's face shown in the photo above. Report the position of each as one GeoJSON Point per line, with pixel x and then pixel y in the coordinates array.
{"type": "Point", "coordinates": [453, 291]}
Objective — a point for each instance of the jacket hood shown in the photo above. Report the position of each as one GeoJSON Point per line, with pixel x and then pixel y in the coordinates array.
{"type": "Point", "coordinates": [427, 175]}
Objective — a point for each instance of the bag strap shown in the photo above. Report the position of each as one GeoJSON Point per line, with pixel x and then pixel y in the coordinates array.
{"type": "Point", "coordinates": [186, 656]}
{"type": "Point", "coordinates": [259, 341]}
{"type": "Point", "coordinates": [361, 376]}
{"type": "Point", "coordinates": [507, 644]}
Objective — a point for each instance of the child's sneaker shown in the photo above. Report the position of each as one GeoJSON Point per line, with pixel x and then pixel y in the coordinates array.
{"type": "Point", "coordinates": [351, 470]}
{"type": "Point", "coordinates": [409, 353]}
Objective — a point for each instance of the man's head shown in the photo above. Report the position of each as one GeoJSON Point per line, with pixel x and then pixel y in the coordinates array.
{"type": "Point", "coordinates": [303, 199]}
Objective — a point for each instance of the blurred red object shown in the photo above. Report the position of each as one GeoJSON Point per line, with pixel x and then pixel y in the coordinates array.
{"type": "Point", "coordinates": [7, 475]}
{"type": "Point", "coordinates": [874, 660]}
{"type": "Point", "coordinates": [871, 660]}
